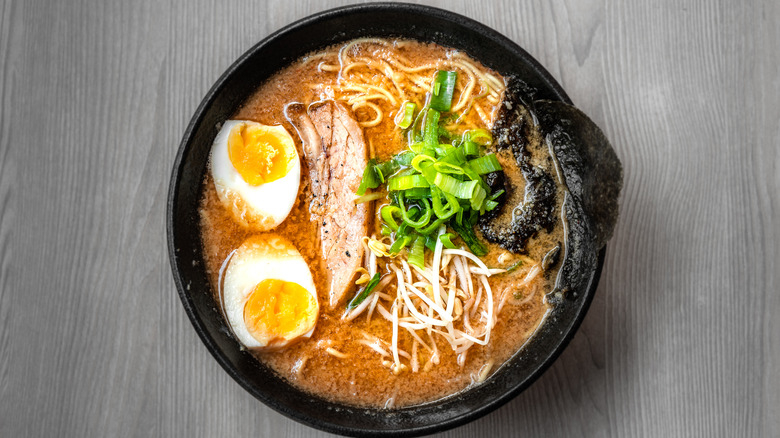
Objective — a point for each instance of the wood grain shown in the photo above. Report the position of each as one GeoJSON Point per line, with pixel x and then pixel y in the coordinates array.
{"type": "Point", "coordinates": [683, 338]}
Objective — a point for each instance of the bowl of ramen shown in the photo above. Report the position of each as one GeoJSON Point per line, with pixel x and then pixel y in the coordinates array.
{"type": "Point", "coordinates": [388, 219]}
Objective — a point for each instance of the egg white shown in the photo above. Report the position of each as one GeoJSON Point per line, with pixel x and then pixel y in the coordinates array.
{"type": "Point", "coordinates": [261, 207]}
{"type": "Point", "coordinates": [268, 256]}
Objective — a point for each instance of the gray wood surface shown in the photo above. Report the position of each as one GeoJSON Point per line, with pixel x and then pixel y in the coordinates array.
{"type": "Point", "coordinates": [683, 338]}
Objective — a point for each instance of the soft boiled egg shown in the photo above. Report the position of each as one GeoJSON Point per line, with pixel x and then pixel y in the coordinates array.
{"type": "Point", "coordinates": [256, 172]}
{"type": "Point", "coordinates": [268, 293]}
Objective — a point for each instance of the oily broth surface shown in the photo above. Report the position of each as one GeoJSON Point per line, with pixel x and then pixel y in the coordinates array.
{"type": "Point", "coordinates": [361, 379]}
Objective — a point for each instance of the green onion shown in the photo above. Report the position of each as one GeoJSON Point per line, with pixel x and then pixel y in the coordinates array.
{"type": "Point", "coordinates": [514, 266]}
{"type": "Point", "coordinates": [468, 236]}
{"type": "Point", "coordinates": [450, 169]}
{"type": "Point", "coordinates": [417, 254]}
{"type": "Point", "coordinates": [387, 213]}
{"type": "Point", "coordinates": [416, 223]}
{"type": "Point", "coordinates": [386, 169]}
{"type": "Point", "coordinates": [470, 149]}
{"type": "Point", "coordinates": [406, 182]}
{"type": "Point", "coordinates": [478, 198]}
{"type": "Point", "coordinates": [482, 165]}
{"type": "Point", "coordinates": [418, 193]}
{"type": "Point", "coordinates": [455, 187]}
{"type": "Point", "coordinates": [443, 88]}
{"type": "Point", "coordinates": [459, 216]}
{"type": "Point", "coordinates": [406, 171]}
{"type": "Point", "coordinates": [438, 183]}
{"type": "Point", "coordinates": [479, 136]}
{"type": "Point", "coordinates": [490, 205]}
{"type": "Point", "coordinates": [403, 230]}
{"type": "Point", "coordinates": [431, 128]}
{"type": "Point", "coordinates": [403, 159]}
{"type": "Point", "coordinates": [419, 161]}
{"type": "Point", "coordinates": [414, 134]}
{"type": "Point", "coordinates": [400, 244]}
{"type": "Point", "coordinates": [364, 293]}
{"type": "Point", "coordinates": [455, 156]}
{"type": "Point", "coordinates": [429, 151]}
{"type": "Point", "coordinates": [495, 195]}
{"type": "Point", "coordinates": [473, 176]}
{"type": "Point", "coordinates": [446, 240]}
{"type": "Point", "coordinates": [443, 149]}
{"type": "Point", "coordinates": [408, 115]}
{"type": "Point", "coordinates": [370, 179]}
{"type": "Point", "coordinates": [432, 227]}
{"type": "Point", "coordinates": [429, 173]}
{"type": "Point", "coordinates": [438, 207]}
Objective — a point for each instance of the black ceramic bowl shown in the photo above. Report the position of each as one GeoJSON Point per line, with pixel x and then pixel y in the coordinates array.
{"type": "Point", "coordinates": [233, 87]}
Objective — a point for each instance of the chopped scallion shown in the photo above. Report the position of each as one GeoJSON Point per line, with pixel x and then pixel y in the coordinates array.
{"type": "Point", "coordinates": [430, 242]}
{"type": "Point", "coordinates": [455, 187]}
{"type": "Point", "coordinates": [438, 207]}
{"type": "Point", "coordinates": [431, 129]}
{"type": "Point", "coordinates": [448, 168]}
{"type": "Point", "coordinates": [370, 179]}
{"type": "Point", "coordinates": [364, 293]}
{"type": "Point", "coordinates": [413, 221]}
{"type": "Point", "coordinates": [478, 199]}
{"type": "Point", "coordinates": [408, 115]}
{"type": "Point", "coordinates": [417, 253]}
{"type": "Point", "coordinates": [434, 226]}
{"type": "Point", "coordinates": [399, 244]}
{"type": "Point", "coordinates": [406, 182]}
{"type": "Point", "coordinates": [490, 205]}
{"type": "Point", "coordinates": [387, 213]}
{"type": "Point", "coordinates": [470, 149]}
{"type": "Point", "coordinates": [446, 240]}
{"type": "Point", "coordinates": [495, 195]}
{"type": "Point", "coordinates": [468, 236]}
{"type": "Point", "coordinates": [418, 193]}
{"type": "Point", "coordinates": [421, 160]}
{"type": "Point", "coordinates": [482, 165]}
{"type": "Point", "coordinates": [442, 90]}
{"type": "Point", "coordinates": [480, 136]}
{"type": "Point", "coordinates": [437, 183]}
{"type": "Point", "coordinates": [403, 159]}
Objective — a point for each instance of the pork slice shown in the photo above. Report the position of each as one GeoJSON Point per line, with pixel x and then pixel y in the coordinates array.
{"type": "Point", "coordinates": [336, 157]}
{"type": "Point", "coordinates": [314, 154]}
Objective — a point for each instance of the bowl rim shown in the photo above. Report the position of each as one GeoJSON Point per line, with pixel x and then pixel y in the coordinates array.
{"type": "Point", "coordinates": [187, 301]}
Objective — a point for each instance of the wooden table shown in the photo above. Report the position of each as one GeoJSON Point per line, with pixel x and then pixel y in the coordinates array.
{"type": "Point", "coordinates": [683, 338]}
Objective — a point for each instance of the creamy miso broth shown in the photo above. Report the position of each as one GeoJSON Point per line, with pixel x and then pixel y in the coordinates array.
{"type": "Point", "coordinates": [387, 351]}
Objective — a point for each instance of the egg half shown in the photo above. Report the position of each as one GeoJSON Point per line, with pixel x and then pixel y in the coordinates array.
{"type": "Point", "coordinates": [268, 293]}
{"type": "Point", "coordinates": [256, 172]}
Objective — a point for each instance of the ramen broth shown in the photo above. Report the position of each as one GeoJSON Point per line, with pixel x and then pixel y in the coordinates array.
{"type": "Point", "coordinates": [358, 375]}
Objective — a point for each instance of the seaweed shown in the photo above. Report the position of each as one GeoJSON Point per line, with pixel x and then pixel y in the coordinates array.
{"type": "Point", "coordinates": [529, 209]}
{"type": "Point", "coordinates": [582, 158]}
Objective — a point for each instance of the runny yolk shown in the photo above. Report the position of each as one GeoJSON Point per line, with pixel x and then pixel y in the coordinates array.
{"type": "Point", "coordinates": [261, 154]}
{"type": "Point", "coordinates": [278, 308]}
